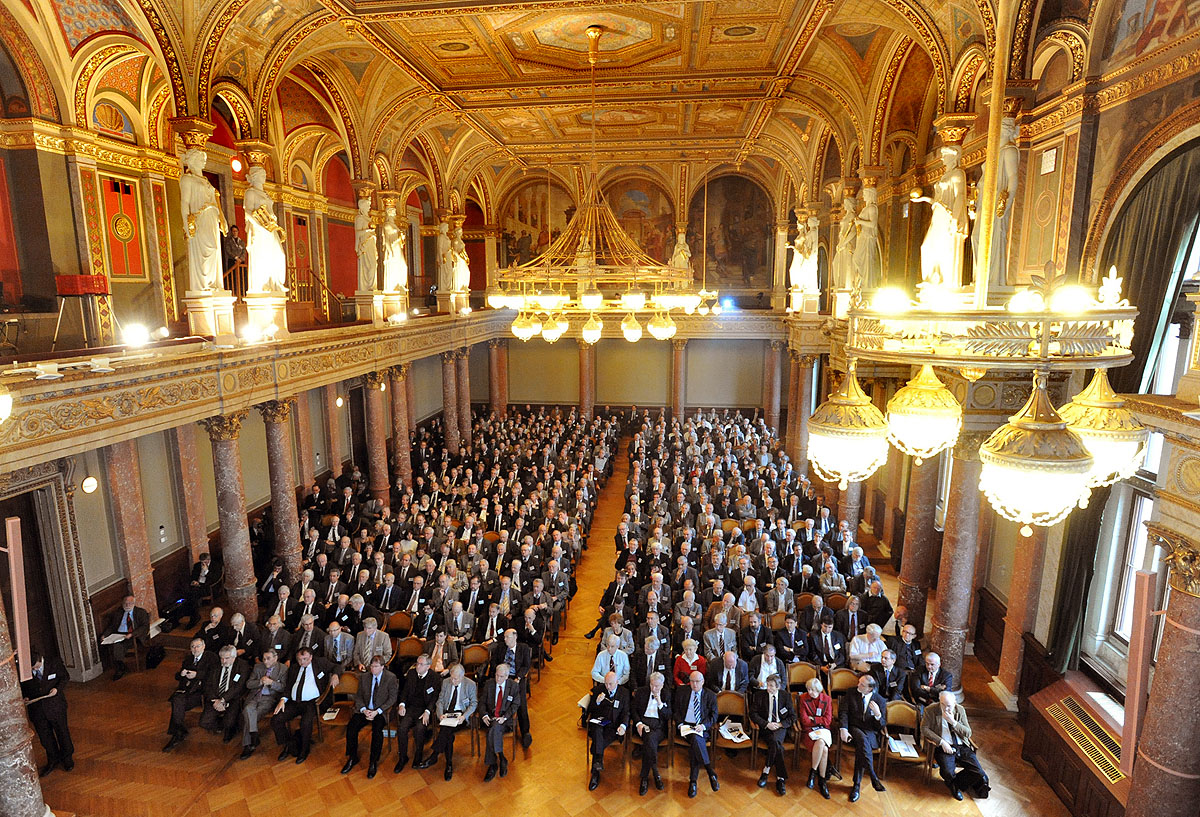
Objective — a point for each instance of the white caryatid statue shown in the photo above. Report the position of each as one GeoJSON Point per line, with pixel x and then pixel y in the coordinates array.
{"type": "Point", "coordinates": [395, 262]}
{"type": "Point", "coordinates": [204, 220]}
{"type": "Point", "coordinates": [681, 255]}
{"type": "Point", "coordinates": [803, 271]}
{"type": "Point", "coordinates": [942, 249]}
{"type": "Point", "coordinates": [461, 262]}
{"type": "Point", "coordinates": [843, 258]}
{"type": "Point", "coordinates": [1009, 160]}
{"type": "Point", "coordinates": [266, 262]}
{"type": "Point", "coordinates": [868, 258]}
{"type": "Point", "coordinates": [367, 246]}
{"type": "Point", "coordinates": [445, 259]}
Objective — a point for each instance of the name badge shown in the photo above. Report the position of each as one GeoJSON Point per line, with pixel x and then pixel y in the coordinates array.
{"type": "Point", "coordinates": [916, 652]}
{"type": "Point", "coordinates": [51, 677]}
{"type": "Point", "coordinates": [783, 711]}
{"type": "Point", "coordinates": [818, 712]}
{"type": "Point", "coordinates": [320, 675]}
{"type": "Point", "coordinates": [237, 677]}
{"type": "Point", "coordinates": [616, 704]}
{"type": "Point", "coordinates": [429, 691]}
{"type": "Point", "coordinates": [279, 646]}
{"type": "Point", "coordinates": [837, 647]}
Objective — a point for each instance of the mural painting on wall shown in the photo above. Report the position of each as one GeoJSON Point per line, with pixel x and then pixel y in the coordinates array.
{"type": "Point", "coordinates": [1143, 25]}
{"type": "Point", "coordinates": [738, 243]}
{"type": "Point", "coordinates": [525, 231]}
{"type": "Point", "coordinates": [646, 215]}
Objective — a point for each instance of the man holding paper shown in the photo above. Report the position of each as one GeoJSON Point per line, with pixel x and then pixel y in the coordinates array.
{"type": "Point", "coordinates": [456, 704]}
{"type": "Point", "coordinates": [125, 626]}
{"type": "Point", "coordinates": [696, 710]}
{"type": "Point", "coordinates": [608, 719]}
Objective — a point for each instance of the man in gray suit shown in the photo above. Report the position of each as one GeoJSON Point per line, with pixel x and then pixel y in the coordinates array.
{"type": "Point", "coordinates": [262, 694]}
{"type": "Point", "coordinates": [719, 640]}
{"type": "Point", "coordinates": [460, 624]}
{"type": "Point", "coordinates": [456, 702]}
{"type": "Point", "coordinates": [378, 690]}
{"type": "Point", "coordinates": [339, 646]}
{"type": "Point", "coordinates": [781, 598]}
{"type": "Point", "coordinates": [501, 699]}
{"type": "Point", "coordinates": [687, 607]}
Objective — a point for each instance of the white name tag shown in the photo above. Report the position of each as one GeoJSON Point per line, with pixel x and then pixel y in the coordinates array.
{"type": "Point", "coordinates": [818, 712]}
{"type": "Point", "coordinates": [616, 704]}
{"type": "Point", "coordinates": [320, 675]}
{"type": "Point", "coordinates": [51, 677]}
{"type": "Point", "coordinates": [429, 691]}
{"type": "Point", "coordinates": [237, 677]}
{"type": "Point", "coordinates": [837, 647]}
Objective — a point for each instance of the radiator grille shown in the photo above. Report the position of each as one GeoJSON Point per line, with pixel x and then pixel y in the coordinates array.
{"type": "Point", "coordinates": [1102, 736]}
{"type": "Point", "coordinates": [1101, 758]}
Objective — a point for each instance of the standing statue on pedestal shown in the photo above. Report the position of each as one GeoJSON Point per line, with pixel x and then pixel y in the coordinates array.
{"type": "Point", "coordinates": [803, 271]}
{"type": "Point", "coordinates": [366, 245]}
{"type": "Point", "coordinates": [395, 262]}
{"type": "Point", "coordinates": [445, 260]}
{"type": "Point", "coordinates": [266, 261]}
{"type": "Point", "coordinates": [204, 221]}
{"type": "Point", "coordinates": [462, 263]}
{"type": "Point", "coordinates": [942, 249]}
{"type": "Point", "coordinates": [868, 257]}
{"type": "Point", "coordinates": [681, 255]}
{"type": "Point", "coordinates": [843, 259]}
{"type": "Point", "coordinates": [1007, 180]}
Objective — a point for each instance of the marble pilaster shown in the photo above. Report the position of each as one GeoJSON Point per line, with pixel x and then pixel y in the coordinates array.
{"type": "Point", "coordinates": [124, 476]}
{"type": "Point", "coordinates": [450, 403]}
{"type": "Point", "coordinates": [918, 562]}
{"type": "Point", "coordinates": [401, 439]}
{"type": "Point", "coordinates": [223, 431]}
{"type": "Point", "coordinates": [276, 416]}
{"type": "Point", "coordinates": [377, 471]}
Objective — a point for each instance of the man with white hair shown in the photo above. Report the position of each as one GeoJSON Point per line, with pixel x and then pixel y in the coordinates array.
{"type": "Point", "coordinates": [866, 650]}
{"type": "Point", "coordinates": [608, 719]}
{"type": "Point", "coordinates": [945, 727]}
{"type": "Point", "coordinates": [611, 659]}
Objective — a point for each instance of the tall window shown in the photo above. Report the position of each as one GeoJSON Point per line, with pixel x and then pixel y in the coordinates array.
{"type": "Point", "coordinates": [1135, 560]}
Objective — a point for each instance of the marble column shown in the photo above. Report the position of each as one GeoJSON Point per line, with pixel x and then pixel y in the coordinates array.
{"type": "Point", "coordinates": [1023, 595]}
{"type": "Point", "coordinates": [1166, 770]}
{"type": "Point", "coordinates": [895, 466]}
{"type": "Point", "coordinates": [849, 507]}
{"type": "Point", "coordinates": [333, 429]}
{"type": "Point", "coordinates": [772, 385]}
{"type": "Point", "coordinates": [789, 435]}
{"type": "Point", "coordinates": [870, 487]}
{"type": "Point", "coordinates": [494, 400]}
{"type": "Point", "coordinates": [803, 408]}
{"type": "Point", "coordinates": [377, 471]}
{"type": "Point", "coordinates": [410, 393]}
{"type": "Point", "coordinates": [306, 459]}
{"type": "Point", "coordinates": [223, 431]}
{"type": "Point", "coordinates": [678, 377]}
{"type": "Point", "coordinates": [918, 563]}
{"type": "Point", "coordinates": [276, 416]}
{"type": "Point", "coordinates": [193, 522]}
{"type": "Point", "coordinates": [587, 379]}
{"type": "Point", "coordinates": [124, 475]}
{"type": "Point", "coordinates": [401, 439]}
{"type": "Point", "coordinates": [956, 572]}
{"type": "Point", "coordinates": [450, 403]}
{"type": "Point", "coordinates": [502, 371]}
{"type": "Point", "coordinates": [20, 789]}
{"type": "Point", "coordinates": [462, 366]}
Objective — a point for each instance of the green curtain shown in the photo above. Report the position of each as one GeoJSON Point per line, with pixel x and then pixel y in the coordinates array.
{"type": "Point", "coordinates": [1148, 242]}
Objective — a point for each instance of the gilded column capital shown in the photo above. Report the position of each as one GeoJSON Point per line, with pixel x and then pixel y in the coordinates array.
{"type": "Point", "coordinates": [400, 371]}
{"type": "Point", "coordinates": [967, 447]}
{"type": "Point", "coordinates": [224, 426]}
{"type": "Point", "coordinates": [374, 380]}
{"type": "Point", "coordinates": [679, 344]}
{"type": "Point", "coordinates": [497, 343]}
{"type": "Point", "coordinates": [464, 353]}
{"type": "Point", "coordinates": [277, 411]}
{"type": "Point", "coordinates": [1182, 558]}
{"type": "Point", "coordinates": [448, 357]}
{"type": "Point", "coordinates": [777, 345]}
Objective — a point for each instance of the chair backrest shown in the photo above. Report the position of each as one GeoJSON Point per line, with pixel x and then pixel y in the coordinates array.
{"type": "Point", "coordinates": [476, 655]}
{"type": "Point", "coordinates": [842, 680]}
{"type": "Point", "coordinates": [800, 673]}
{"type": "Point", "coordinates": [399, 622]}
{"type": "Point", "coordinates": [803, 601]}
{"type": "Point", "coordinates": [836, 601]}
{"type": "Point", "coordinates": [491, 537]}
{"type": "Point", "coordinates": [347, 685]}
{"type": "Point", "coordinates": [748, 524]}
{"type": "Point", "coordinates": [777, 619]}
{"type": "Point", "coordinates": [409, 647]}
{"type": "Point", "coordinates": [903, 715]}
{"type": "Point", "coordinates": [728, 524]}
{"type": "Point", "coordinates": [731, 703]}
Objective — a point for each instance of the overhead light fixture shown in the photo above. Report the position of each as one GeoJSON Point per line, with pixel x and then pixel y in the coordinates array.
{"type": "Point", "coordinates": [847, 435]}
{"type": "Point", "coordinates": [1112, 435]}
{"type": "Point", "coordinates": [592, 330]}
{"type": "Point", "coordinates": [661, 327]}
{"type": "Point", "coordinates": [89, 484]}
{"type": "Point", "coordinates": [923, 418]}
{"type": "Point", "coordinates": [631, 329]}
{"type": "Point", "coordinates": [339, 402]}
{"type": "Point", "coordinates": [633, 300]}
{"type": "Point", "coordinates": [591, 299]}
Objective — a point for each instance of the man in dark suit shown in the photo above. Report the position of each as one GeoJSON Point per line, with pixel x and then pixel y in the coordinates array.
{"type": "Point", "coordinates": [216, 632]}
{"type": "Point", "coordinates": [378, 690]}
{"type": "Point", "coordinates": [850, 621]}
{"type": "Point", "coordinates": [863, 720]}
{"type": "Point", "coordinates": [189, 693]}
{"type": "Point", "coordinates": [828, 649]}
{"type": "Point", "coordinates": [205, 577]}
{"type": "Point", "coordinates": [730, 674]}
{"type": "Point", "coordinates": [753, 638]}
{"type": "Point", "coordinates": [223, 692]}
{"type": "Point", "coordinates": [773, 714]}
{"type": "Point", "coordinates": [891, 680]}
{"type": "Point", "coordinates": [696, 708]}
{"type": "Point", "coordinates": [490, 628]}
{"type": "Point", "coordinates": [415, 711]}
{"type": "Point", "coordinates": [650, 714]}
{"type": "Point", "coordinates": [925, 685]}
{"type": "Point", "coordinates": [498, 705]}
{"type": "Point", "coordinates": [653, 657]}
{"type": "Point", "coordinates": [791, 643]}
{"type": "Point", "coordinates": [518, 657]}
{"type": "Point", "coordinates": [131, 622]}
{"type": "Point", "coordinates": [307, 680]}
{"type": "Point", "coordinates": [608, 718]}
{"type": "Point", "coordinates": [46, 700]}
{"type": "Point", "coordinates": [615, 596]}
{"type": "Point", "coordinates": [907, 647]}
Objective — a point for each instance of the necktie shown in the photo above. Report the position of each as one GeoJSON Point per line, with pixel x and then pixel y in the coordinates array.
{"type": "Point", "coordinates": [491, 633]}
{"type": "Point", "coordinates": [329, 596]}
{"type": "Point", "coordinates": [649, 666]}
{"type": "Point", "coordinates": [374, 686]}
{"type": "Point", "coordinates": [412, 604]}
{"type": "Point", "coordinates": [612, 664]}
{"type": "Point", "coordinates": [828, 647]}
{"type": "Point", "coordinates": [387, 595]}
{"type": "Point", "coordinates": [728, 680]}
{"type": "Point", "coordinates": [499, 698]}
{"type": "Point", "coordinates": [298, 690]}
{"type": "Point", "coordinates": [454, 699]}
{"type": "Point", "coordinates": [694, 709]}
{"type": "Point", "coordinates": [224, 680]}
{"type": "Point", "coordinates": [127, 624]}
{"type": "Point", "coordinates": [337, 650]}
{"type": "Point", "coordinates": [774, 709]}
{"type": "Point", "coordinates": [38, 674]}
{"type": "Point", "coordinates": [379, 574]}
{"type": "Point", "coordinates": [853, 624]}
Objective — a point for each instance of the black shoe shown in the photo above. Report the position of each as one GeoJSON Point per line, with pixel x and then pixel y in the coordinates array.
{"type": "Point", "coordinates": [49, 767]}
{"type": "Point", "coordinates": [691, 788]}
{"type": "Point", "coordinates": [590, 634]}
{"type": "Point", "coordinates": [823, 787]}
{"type": "Point", "coordinates": [254, 739]}
{"type": "Point", "coordinates": [172, 743]}
{"type": "Point", "coordinates": [283, 754]}
{"type": "Point", "coordinates": [246, 752]}
{"type": "Point", "coordinates": [400, 764]}
{"type": "Point", "coordinates": [351, 762]}
{"type": "Point", "coordinates": [780, 788]}
{"type": "Point", "coordinates": [526, 740]}
{"type": "Point", "coordinates": [548, 657]}
{"type": "Point", "coordinates": [490, 774]}
{"type": "Point", "coordinates": [594, 780]}
{"type": "Point", "coordinates": [301, 758]}
{"type": "Point", "coordinates": [877, 784]}
{"type": "Point", "coordinates": [503, 766]}
{"type": "Point", "coordinates": [554, 640]}
{"type": "Point", "coordinates": [68, 765]}
{"type": "Point", "coordinates": [426, 763]}
{"type": "Point", "coordinates": [854, 795]}
{"type": "Point", "coordinates": [644, 786]}
{"type": "Point", "coordinates": [762, 780]}
{"type": "Point", "coordinates": [449, 773]}
{"type": "Point", "coordinates": [228, 736]}
{"type": "Point", "coordinates": [712, 781]}
{"type": "Point", "coordinates": [658, 781]}
{"type": "Point", "coordinates": [372, 770]}
{"type": "Point", "coordinates": [812, 779]}
{"type": "Point", "coordinates": [955, 793]}
{"type": "Point", "coordinates": [119, 672]}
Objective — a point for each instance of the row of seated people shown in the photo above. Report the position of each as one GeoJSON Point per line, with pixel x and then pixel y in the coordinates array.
{"type": "Point", "coordinates": [691, 716]}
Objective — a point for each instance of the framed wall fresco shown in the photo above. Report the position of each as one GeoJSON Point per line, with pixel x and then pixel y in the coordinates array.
{"type": "Point", "coordinates": [738, 247]}
{"type": "Point", "coordinates": [646, 214]}
{"type": "Point", "coordinates": [528, 226]}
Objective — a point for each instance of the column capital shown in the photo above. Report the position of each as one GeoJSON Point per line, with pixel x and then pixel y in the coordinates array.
{"type": "Point", "coordinates": [967, 447]}
{"type": "Point", "coordinates": [224, 426]}
{"type": "Point", "coordinates": [277, 411]}
{"type": "Point", "coordinates": [808, 360]}
{"type": "Point", "coordinates": [400, 370]}
{"type": "Point", "coordinates": [679, 344]}
{"type": "Point", "coordinates": [194, 131]}
{"type": "Point", "coordinates": [464, 353]}
{"type": "Point", "coordinates": [448, 357]}
{"type": "Point", "coordinates": [777, 345]}
{"type": "Point", "coordinates": [1182, 558]}
{"type": "Point", "coordinates": [374, 380]}
{"type": "Point", "coordinates": [498, 343]}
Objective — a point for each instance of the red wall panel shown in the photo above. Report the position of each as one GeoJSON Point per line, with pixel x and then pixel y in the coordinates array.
{"type": "Point", "coordinates": [343, 262]}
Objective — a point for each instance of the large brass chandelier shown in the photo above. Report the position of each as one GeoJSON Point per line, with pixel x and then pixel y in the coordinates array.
{"type": "Point", "coordinates": [594, 268]}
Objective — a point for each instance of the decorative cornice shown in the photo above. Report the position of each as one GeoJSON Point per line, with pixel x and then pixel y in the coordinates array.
{"type": "Point", "coordinates": [64, 140]}
{"type": "Point", "coordinates": [276, 411]}
{"type": "Point", "coordinates": [224, 427]}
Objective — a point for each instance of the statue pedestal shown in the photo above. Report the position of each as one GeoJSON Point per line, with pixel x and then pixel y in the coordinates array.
{"type": "Point", "coordinates": [368, 306]}
{"type": "Point", "coordinates": [841, 302]}
{"type": "Point", "coordinates": [267, 313]}
{"type": "Point", "coordinates": [453, 302]}
{"type": "Point", "coordinates": [800, 301]}
{"type": "Point", "coordinates": [395, 306]}
{"type": "Point", "coordinates": [210, 313]}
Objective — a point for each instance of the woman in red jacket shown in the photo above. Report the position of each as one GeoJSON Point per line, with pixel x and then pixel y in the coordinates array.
{"type": "Point", "coordinates": [816, 717]}
{"type": "Point", "coordinates": [689, 662]}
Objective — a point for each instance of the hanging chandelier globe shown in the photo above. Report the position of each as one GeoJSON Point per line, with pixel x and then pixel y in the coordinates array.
{"type": "Point", "coordinates": [592, 330]}
{"type": "Point", "coordinates": [923, 417]}
{"type": "Point", "coordinates": [1113, 436]}
{"type": "Point", "coordinates": [631, 329]}
{"type": "Point", "coordinates": [847, 435]}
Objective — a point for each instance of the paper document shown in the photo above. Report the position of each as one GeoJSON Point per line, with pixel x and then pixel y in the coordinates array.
{"type": "Point", "coordinates": [113, 638]}
{"type": "Point", "coordinates": [451, 720]}
{"type": "Point", "coordinates": [902, 746]}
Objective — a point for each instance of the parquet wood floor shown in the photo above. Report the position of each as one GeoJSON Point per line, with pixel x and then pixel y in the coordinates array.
{"type": "Point", "coordinates": [119, 731]}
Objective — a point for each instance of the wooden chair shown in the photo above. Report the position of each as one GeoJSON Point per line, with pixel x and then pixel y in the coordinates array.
{"type": "Point", "coordinates": [728, 524]}
{"type": "Point", "coordinates": [803, 601]}
{"type": "Point", "coordinates": [491, 537]}
{"type": "Point", "coordinates": [902, 717]}
{"type": "Point", "coordinates": [836, 601]}
{"type": "Point", "coordinates": [399, 623]}
{"type": "Point", "coordinates": [748, 524]}
{"type": "Point", "coordinates": [475, 659]}
{"type": "Point", "coordinates": [405, 652]}
{"type": "Point", "coordinates": [777, 619]}
{"type": "Point", "coordinates": [634, 740]}
{"type": "Point", "coordinates": [799, 674]}
{"type": "Point", "coordinates": [341, 700]}
{"type": "Point", "coordinates": [732, 704]}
